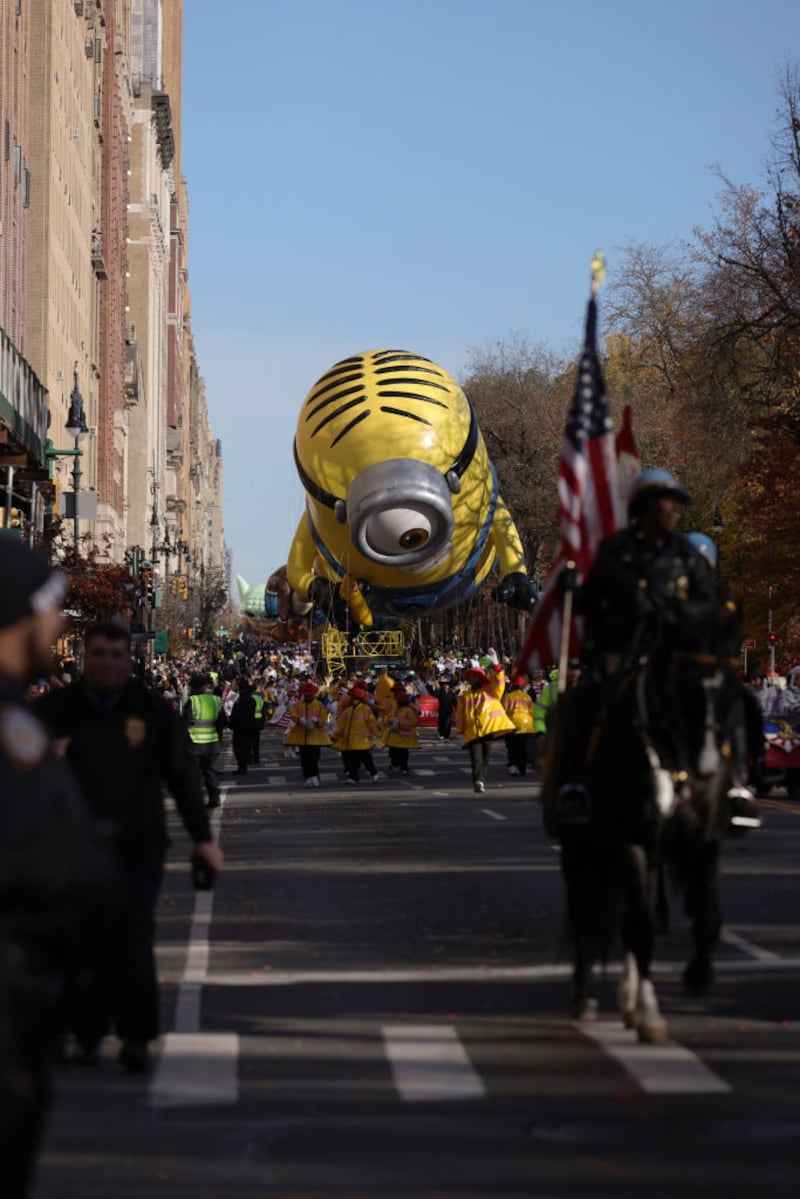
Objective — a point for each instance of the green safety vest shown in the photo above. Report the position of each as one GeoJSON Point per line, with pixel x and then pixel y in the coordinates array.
{"type": "Point", "coordinates": [259, 702]}
{"type": "Point", "coordinates": [205, 713]}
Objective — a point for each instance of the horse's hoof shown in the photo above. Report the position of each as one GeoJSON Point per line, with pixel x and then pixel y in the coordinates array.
{"type": "Point", "coordinates": [628, 1017]}
{"type": "Point", "coordinates": [653, 1032]}
{"type": "Point", "coordinates": [583, 1009]}
{"type": "Point", "coordinates": [651, 1027]}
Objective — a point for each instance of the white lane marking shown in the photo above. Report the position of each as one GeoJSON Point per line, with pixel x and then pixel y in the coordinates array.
{"type": "Point", "coordinates": [429, 1063]}
{"type": "Point", "coordinates": [197, 1068]}
{"type": "Point", "coordinates": [441, 758]}
{"type": "Point", "coordinates": [494, 815]}
{"type": "Point", "coordinates": [466, 769]}
{"type": "Point", "coordinates": [419, 770]}
{"type": "Point", "coordinates": [754, 951]}
{"type": "Point", "coordinates": [444, 794]}
{"type": "Point", "coordinates": [469, 974]}
{"type": "Point", "coordinates": [663, 1069]}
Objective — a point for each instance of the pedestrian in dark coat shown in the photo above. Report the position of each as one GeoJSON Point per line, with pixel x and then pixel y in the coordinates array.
{"type": "Point", "coordinates": [125, 745]}
{"type": "Point", "coordinates": [243, 723]}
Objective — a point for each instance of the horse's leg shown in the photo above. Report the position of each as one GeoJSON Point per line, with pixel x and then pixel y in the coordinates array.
{"type": "Point", "coordinates": [578, 867]}
{"type": "Point", "coordinates": [638, 931]}
{"type": "Point", "coordinates": [702, 904]}
{"type": "Point", "coordinates": [662, 903]}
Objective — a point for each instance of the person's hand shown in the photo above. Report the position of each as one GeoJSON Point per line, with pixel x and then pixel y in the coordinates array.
{"type": "Point", "coordinates": [491, 654]}
{"type": "Point", "coordinates": [303, 721]}
{"type": "Point", "coordinates": [211, 853]}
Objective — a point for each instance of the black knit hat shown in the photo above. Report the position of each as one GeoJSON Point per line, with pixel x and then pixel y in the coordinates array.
{"type": "Point", "coordinates": [28, 582]}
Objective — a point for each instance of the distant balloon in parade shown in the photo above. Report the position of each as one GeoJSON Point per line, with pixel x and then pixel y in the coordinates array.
{"type": "Point", "coordinates": [403, 513]}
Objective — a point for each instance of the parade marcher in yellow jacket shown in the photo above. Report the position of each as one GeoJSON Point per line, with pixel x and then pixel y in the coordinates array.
{"type": "Point", "coordinates": [401, 730]}
{"type": "Point", "coordinates": [518, 706]}
{"type": "Point", "coordinates": [308, 731]}
{"type": "Point", "coordinates": [480, 716]}
{"type": "Point", "coordinates": [355, 733]}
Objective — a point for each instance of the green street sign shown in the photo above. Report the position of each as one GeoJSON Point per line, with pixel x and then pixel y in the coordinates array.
{"type": "Point", "coordinates": [161, 641]}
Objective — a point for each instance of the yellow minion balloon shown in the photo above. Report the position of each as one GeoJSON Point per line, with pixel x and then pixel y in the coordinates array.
{"type": "Point", "coordinates": [403, 514]}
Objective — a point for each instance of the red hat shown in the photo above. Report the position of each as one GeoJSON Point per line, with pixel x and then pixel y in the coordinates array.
{"type": "Point", "coordinates": [519, 680]}
{"type": "Point", "coordinates": [359, 693]}
{"type": "Point", "coordinates": [401, 695]}
{"type": "Point", "coordinates": [308, 690]}
{"type": "Point", "coordinates": [399, 687]}
{"type": "Point", "coordinates": [475, 674]}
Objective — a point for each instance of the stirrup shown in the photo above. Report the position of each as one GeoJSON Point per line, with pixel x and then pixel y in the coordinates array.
{"type": "Point", "coordinates": [573, 805]}
{"type": "Point", "coordinates": [743, 808]}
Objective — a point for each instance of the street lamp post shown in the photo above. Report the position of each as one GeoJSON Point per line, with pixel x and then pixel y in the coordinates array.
{"type": "Point", "coordinates": [716, 528]}
{"type": "Point", "coordinates": [77, 428]}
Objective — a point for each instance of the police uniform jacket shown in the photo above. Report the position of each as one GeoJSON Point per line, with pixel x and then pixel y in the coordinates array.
{"type": "Point", "coordinates": [54, 860]}
{"type": "Point", "coordinates": [651, 591]}
{"type": "Point", "coordinates": [124, 748]}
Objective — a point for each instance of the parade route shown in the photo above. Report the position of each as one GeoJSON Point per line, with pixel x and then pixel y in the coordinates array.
{"type": "Point", "coordinates": [373, 1002]}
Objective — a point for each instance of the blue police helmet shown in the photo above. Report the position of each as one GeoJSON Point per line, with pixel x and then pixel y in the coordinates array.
{"type": "Point", "coordinates": [652, 483]}
{"type": "Point", "coordinates": [704, 545]}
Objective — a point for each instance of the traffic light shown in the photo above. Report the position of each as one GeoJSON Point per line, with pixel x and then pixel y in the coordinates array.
{"type": "Point", "coordinates": [147, 583]}
{"type": "Point", "coordinates": [185, 590]}
{"type": "Point", "coordinates": [772, 638]}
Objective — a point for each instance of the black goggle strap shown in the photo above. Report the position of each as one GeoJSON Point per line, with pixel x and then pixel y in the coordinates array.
{"type": "Point", "coordinates": [452, 474]}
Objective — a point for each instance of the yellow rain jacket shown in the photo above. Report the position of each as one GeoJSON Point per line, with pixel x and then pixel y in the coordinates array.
{"type": "Point", "coordinates": [308, 727]}
{"type": "Point", "coordinates": [480, 713]}
{"type": "Point", "coordinates": [356, 726]}
{"type": "Point", "coordinates": [405, 735]}
{"type": "Point", "coordinates": [519, 709]}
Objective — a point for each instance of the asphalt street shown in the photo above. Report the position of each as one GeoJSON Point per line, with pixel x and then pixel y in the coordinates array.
{"type": "Point", "coordinates": [373, 1003]}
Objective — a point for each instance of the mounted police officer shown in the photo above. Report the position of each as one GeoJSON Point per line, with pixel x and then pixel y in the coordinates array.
{"type": "Point", "coordinates": [648, 584]}
{"type": "Point", "coordinates": [53, 862]}
{"type": "Point", "coordinates": [648, 593]}
{"type": "Point", "coordinates": [206, 721]}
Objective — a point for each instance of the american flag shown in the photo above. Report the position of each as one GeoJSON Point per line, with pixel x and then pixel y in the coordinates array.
{"type": "Point", "coordinates": [588, 501]}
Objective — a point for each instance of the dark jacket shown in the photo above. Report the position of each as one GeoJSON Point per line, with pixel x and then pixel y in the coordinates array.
{"type": "Point", "coordinates": [640, 592]}
{"type": "Point", "coordinates": [124, 749]}
{"type": "Point", "coordinates": [54, 858]}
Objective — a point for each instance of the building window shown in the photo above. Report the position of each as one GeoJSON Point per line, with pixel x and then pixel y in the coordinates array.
{"type": "Point", "coordinates": [7, 142]}
{"type": "Point", "coordinates": [26, 188]}
{"type": "Point", "coordinates": [18, 7]}
{"type": "Point", "coordinates": [17, 164]}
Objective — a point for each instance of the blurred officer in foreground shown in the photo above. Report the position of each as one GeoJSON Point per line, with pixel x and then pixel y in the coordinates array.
{"type": "Point", "coordinates": [124, 744]}
{"type": "Point", "coordinates": [52, 861]}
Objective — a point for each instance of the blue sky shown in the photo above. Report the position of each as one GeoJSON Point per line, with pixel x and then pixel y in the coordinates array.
{"type": "Point", "coordinates": [436, 175]}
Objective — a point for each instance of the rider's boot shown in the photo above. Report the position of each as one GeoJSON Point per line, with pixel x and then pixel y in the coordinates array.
{"type": "Point", "coordinates": [627, 990]}
{"type": "Point", "coordinates": [650, 1024]}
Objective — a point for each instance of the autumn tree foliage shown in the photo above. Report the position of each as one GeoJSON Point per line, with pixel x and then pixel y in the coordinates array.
{"type": "Point", "coordinates": [702, 339]}
{"type": "Point", "coordinates": [99, 589]}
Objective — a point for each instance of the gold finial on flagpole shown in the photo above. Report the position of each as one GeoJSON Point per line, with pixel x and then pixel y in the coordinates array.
{"type": "Point", "coordinates": [598, 271]}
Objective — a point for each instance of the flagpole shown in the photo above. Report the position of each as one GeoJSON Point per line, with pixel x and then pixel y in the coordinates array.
{"type": "Point", "coordinates": [566, 581]}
